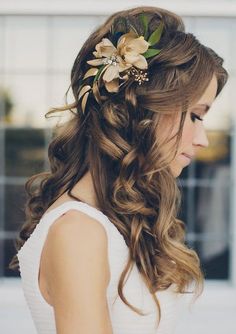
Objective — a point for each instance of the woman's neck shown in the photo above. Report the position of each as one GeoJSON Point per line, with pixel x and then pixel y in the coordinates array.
{"type": "Point", "coordinates": [84, 190]}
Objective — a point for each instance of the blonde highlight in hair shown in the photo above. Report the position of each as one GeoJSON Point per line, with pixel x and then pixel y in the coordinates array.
{"type": "Point", "coordinates": [117, 141]}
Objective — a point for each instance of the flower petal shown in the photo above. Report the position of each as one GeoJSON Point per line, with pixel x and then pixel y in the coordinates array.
{"type": "Point", "coordinates": [111, 73]}
{"type": "Point", "coordinates": [98, 76]}
{"type": "Point", "coordinates": [91, 72]}
{"type": "Point", "coordinates": [95, 62]}
{"type": "Point", "coordinates": [105, 48]}
{"type": "Point", "coordinates": [141, 63]}
{"type": "Point", "coordinates": [105, 42]}
{"type": "Point", "coordinates": [131, 57]}
{"type": "Point", "coordinates": [136, 60]}
{"type": "Point", "coordinates": [84, 90]}
{"type": "Point", "coordinates": [138, 45]}
{"type": "Point", "coordinates": [125, 77]}
{"type": "Point", "coordinates": [97, 54]}
{"type": "Point", "coordinates": [126, 38]}
{"type": "Point", "coordinates": [112, 86]}
{"type": "Point", "coordinates": [124, 66]}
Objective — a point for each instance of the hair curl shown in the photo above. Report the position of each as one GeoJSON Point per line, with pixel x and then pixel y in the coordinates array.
{"type": "Point", "coordinates": [117, 141]}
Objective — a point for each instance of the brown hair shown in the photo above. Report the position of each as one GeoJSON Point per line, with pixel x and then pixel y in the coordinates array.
{"type": "Point", "coordinates": [117, 140]}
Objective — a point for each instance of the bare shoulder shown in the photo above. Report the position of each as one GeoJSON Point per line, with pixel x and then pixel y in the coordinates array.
{"type": "Point", "coordinates": [77, 273]}
{"type": "Point", "coordinates": [77, 226]}
{"type": "Point", "coordinates": [78, 234]}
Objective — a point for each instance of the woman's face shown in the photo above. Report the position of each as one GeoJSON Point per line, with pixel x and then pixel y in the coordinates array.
{"type": "Point", "coordinates": [194, 135]}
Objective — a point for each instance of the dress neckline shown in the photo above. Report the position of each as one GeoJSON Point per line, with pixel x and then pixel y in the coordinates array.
{"type": "Point", "coordinates": [46, 214]}
{"type": "Point", "coordinates": [50, 213]}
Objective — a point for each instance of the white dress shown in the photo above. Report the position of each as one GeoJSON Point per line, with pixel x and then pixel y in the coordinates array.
{"type": "Point", "coordinates": [123, 319]}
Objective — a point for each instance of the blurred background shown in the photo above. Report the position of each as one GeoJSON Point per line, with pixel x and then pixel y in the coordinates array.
{"type": "Point", "coordinates": [39, 41]}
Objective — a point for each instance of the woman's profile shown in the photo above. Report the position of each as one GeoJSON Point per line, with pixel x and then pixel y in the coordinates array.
{"type": "Point", "coordinates": [102, 249]}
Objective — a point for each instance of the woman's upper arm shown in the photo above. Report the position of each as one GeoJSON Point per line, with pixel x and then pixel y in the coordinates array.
{"type": "Point", "coordinates": [78, 274]}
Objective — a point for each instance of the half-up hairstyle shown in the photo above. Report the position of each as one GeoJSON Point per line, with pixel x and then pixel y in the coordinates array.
{"type": "Point", "coordinates": [117, 140]}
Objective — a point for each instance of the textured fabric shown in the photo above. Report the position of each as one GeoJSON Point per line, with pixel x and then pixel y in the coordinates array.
{"type": "Point", "coordinates": [123, 319]}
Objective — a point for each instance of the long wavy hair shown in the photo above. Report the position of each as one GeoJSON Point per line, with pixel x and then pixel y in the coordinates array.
{"type": "Point", "coordinates": [118, 142]}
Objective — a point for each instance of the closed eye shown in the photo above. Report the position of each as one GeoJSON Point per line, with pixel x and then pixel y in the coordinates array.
{"type": "Point", "coordinates": [195, 116]}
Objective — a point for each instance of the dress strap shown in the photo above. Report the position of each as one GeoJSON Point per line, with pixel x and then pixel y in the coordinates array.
{"type": "Point", "coordinates": [93, 212]}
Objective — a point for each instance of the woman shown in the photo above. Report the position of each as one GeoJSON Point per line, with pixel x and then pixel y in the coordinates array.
{"type": "Point", "coordinates": [102, 250]}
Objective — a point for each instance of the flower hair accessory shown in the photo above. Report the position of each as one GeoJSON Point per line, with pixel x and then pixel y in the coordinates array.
{"type": "Point", "coordinates": [115, 64]}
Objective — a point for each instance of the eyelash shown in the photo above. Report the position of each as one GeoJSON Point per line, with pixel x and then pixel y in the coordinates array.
{"type": "Point", "coordinates": [195, 116]}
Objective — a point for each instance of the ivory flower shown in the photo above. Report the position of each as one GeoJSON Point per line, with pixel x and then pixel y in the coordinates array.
{"type": "Point", "coordinates": [128, 53]}
{"type": "Point", "coordinates": [128, 56]}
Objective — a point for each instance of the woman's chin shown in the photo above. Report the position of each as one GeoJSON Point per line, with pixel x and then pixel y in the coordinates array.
{"type": "Point", "coordinates": [176, 170]}
{"type": "Point", "coordinates": [179, 164]}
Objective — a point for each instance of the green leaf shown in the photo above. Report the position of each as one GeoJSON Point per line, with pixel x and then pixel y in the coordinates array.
{"type": "Point", "coordinates": [144, 22]}
{"type": "Point", "coordinates": [98, 73]}
{"type": "Point", "coordinates": [156, 35]}
{"type": "Point", "coordinates": [151, 52]}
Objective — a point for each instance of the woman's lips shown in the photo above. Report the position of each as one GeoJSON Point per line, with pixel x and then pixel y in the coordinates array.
{"type": "Point", "coordinates": [187, 157]}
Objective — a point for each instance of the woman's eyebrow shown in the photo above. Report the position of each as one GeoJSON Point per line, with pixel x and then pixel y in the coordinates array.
{"type": "Point", "coordinates": [203, 106]}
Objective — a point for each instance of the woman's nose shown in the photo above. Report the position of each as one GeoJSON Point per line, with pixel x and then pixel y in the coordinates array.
{"type": "Point", "coordinates": [200, 136]}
